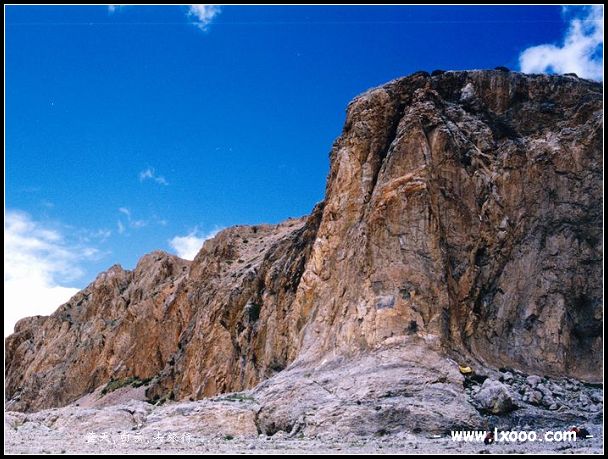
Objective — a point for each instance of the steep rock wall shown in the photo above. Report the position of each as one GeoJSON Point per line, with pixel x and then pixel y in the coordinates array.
{"type": "Point", "coordinates": [462, 215]}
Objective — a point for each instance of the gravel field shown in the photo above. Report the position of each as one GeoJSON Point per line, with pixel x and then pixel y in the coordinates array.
{"type": "Point", "coordinates": [36, 441]}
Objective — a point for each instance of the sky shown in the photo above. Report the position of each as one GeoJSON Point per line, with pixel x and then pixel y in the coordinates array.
{"type": "Point", "coordinates": [135, 128]}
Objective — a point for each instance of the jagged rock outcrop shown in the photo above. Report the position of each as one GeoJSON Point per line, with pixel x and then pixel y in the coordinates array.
{"type": "Point", "coordinates": [239, 300]}
{"type": "Point", "coordinates": [120, 325]}
{"type": "Point", "coordinates": [462, 218]}
{"type": "Point", "coordinates": [210, 326]}
{"type": "Point", "coordinates": [465, 207]}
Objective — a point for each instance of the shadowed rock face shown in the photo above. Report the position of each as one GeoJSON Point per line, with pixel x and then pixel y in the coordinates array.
{"type": "Point", "coordinates": [462, 216]}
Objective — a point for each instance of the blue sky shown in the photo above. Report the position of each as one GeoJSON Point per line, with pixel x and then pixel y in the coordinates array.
{"type": "Point", "coordinates": [130, 129]}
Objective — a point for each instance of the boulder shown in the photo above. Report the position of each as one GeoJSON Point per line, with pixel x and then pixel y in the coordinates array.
{"type": "Point", "coordinates": [494, 397]}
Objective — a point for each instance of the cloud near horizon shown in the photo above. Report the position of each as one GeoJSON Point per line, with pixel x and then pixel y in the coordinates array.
{"type": "Point", "coordinates": [40, 268]}
{"type": "Point", "coordinates": [188, 246]}
{"type": "Point", "coordinates": [581, 51]}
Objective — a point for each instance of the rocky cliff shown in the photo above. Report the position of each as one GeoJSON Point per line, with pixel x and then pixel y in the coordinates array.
{"type": "Point", "coordinates": [462, 221]}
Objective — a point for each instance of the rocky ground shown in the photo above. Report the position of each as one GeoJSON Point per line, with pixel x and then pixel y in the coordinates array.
{"type": "Point", "coordinates": [407, 443]}
{"type": "Point", "coordinates": [338, 407]}
{"type": "Point", "coordinates": [173, 429]}
{"type": "Point", "coordinates": [514, 390]}
{"type": "Point", "coordinates": [521, 402]}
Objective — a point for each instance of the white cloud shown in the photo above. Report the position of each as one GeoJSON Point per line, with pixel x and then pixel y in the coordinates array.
{"type": "Point", "coordinates": [40, 268]}
{"type": "Point", "coordinates": [85, 235]}
{"type": "Point", "coordinates": [135, 224]}
{"type": "Point", "coordinates": [204, 14]}
{"type": "Point", "coordinates": [581, 51]}
{"type": "Point", "coordinates": [188, 246]}
{"type": "Point", "coordinates": [150, 174]}
{"type": "Point", "coordinates": [102, 234]}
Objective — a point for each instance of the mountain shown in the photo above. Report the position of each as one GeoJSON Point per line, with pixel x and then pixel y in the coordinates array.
{"type": "Point", "coordinates": [462, 224]}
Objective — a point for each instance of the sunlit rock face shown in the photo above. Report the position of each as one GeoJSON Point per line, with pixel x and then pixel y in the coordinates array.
{"type": "Point", "coordinates": [466, 208]}
{"type": "Point", "coordinates": [462, 219]}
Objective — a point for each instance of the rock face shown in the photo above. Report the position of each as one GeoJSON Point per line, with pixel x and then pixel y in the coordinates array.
{"type": "Point", "coordinates": [401, 386]}
{"type": "Point", "coordinates": [462, 218]}
{"type": "Point", "coordinates": [120, 325]}
{"type": "Point", "coordinates": [210, 326]}
{"type": "Point", "coordinates": [466, 206]}
{"type": "Point", "coordinates": [239, 302]}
